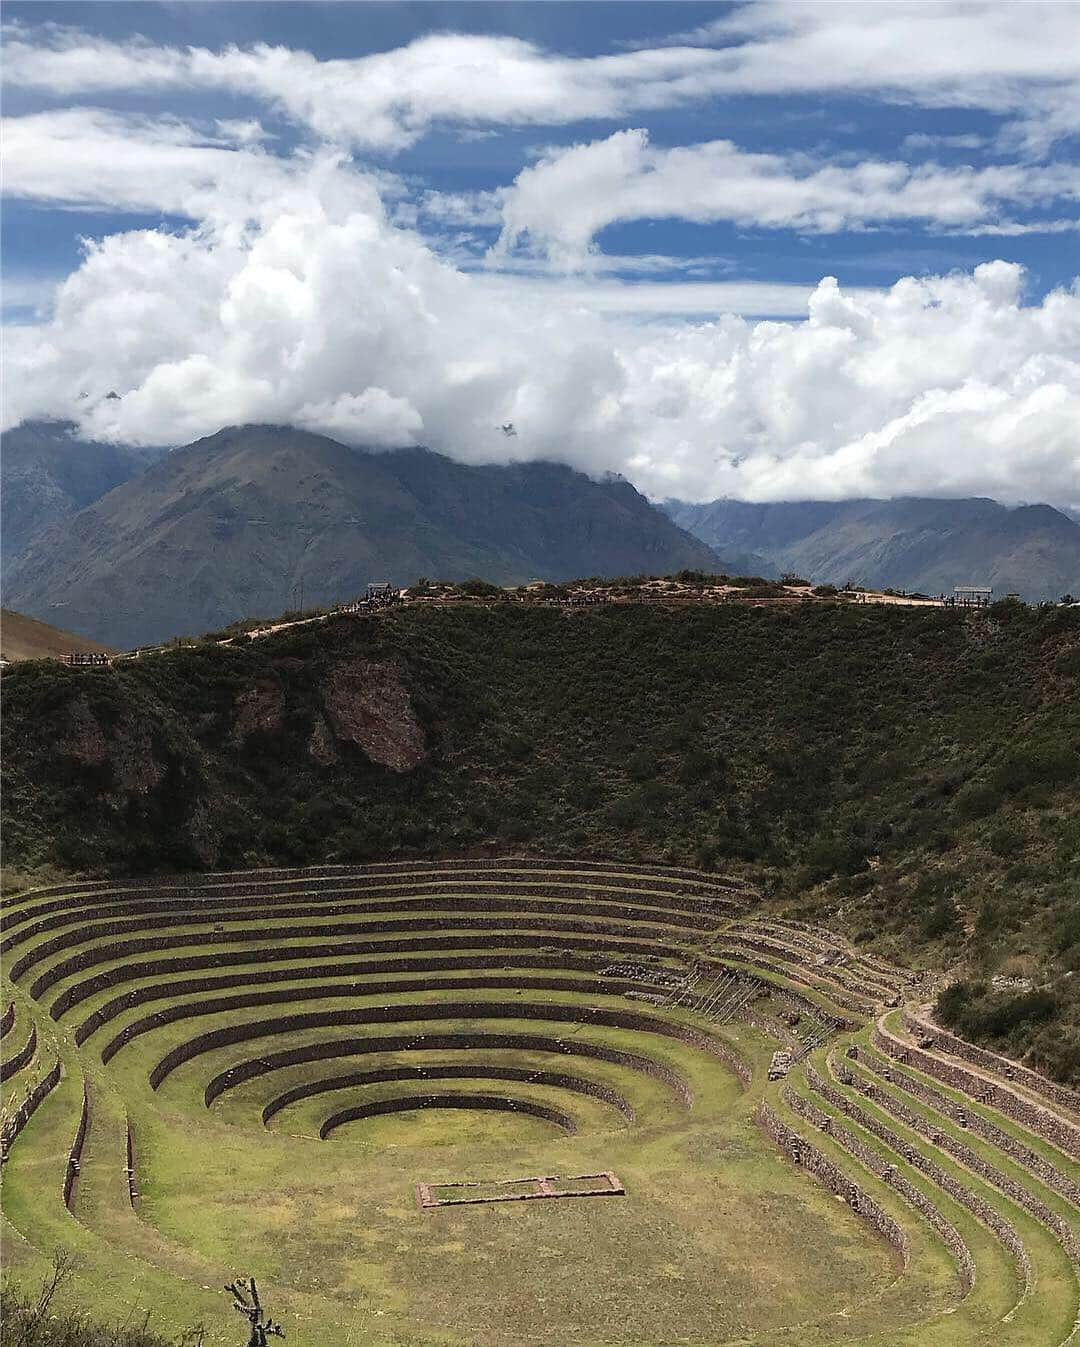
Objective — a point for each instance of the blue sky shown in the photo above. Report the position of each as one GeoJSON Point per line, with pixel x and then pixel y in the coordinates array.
{"type": "Point", "coordinates": [656, 178]}
{"type": "Point", "coordinates": [39, 241]}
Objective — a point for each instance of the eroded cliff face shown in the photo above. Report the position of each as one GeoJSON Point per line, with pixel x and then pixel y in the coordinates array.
{"type": "Point", "coordinates": [126, 748]}
{"type": "Point", "coordinates": [367, 705]}
{"type": "Point", "coordinates": [259, 709]}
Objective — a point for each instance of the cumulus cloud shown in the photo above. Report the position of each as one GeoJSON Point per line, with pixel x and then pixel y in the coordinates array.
{"type": "Point", "coordinates": [301, 292]}
{"type": "Point", "coordinates": [564, 200]}
{"type": "Point", "coordinates": [1018, 61]}
{"type": "Point", "coordinates": [324, 312]}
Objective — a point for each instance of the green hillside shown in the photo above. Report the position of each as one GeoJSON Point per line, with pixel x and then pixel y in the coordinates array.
{"type": "Point", "coordinates": [909, 776]}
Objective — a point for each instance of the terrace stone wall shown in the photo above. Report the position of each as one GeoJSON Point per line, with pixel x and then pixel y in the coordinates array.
{"type": "Point", "coordinates": [354, 1016]}
{"type": "Point", "coordinates": [1059, 1095]}
{"type": "Point", "coordinates": [545, 929]}
{"type": "Point", "coordinates": [888, 1173]}
{"type": "Point", "coordinates": [356, 1047]}
{"type": "Point", "coordinates": [959, 1192]}
{"type": "Point", "coordinates": [74, 1164]}
{"type": "Point", "coordinates": [1020, 1110]}
{"type": "Point", "coordinates": [1024, 1156]}
{"type": "Point", "coordinates": [28, 1108]}
{"type": "Point", "coordinates": [550, 943]}
{"type": "Point", "coordinates": [407, 1103]}
{"type": "Point", "coordinates": [808, 1157]}
{"type": "Point", "coordinates": [964, 1155]}
{"type": "Point", "coordinates": [20, 1059]}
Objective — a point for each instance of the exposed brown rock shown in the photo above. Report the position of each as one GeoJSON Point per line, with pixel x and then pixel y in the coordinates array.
{"type": "Point", "coordinates": [321, 744]}
{"type": "Point", "coordinates": [86, 741]}
{"type": "Point", "coordinates": [367, 705]}
{"type": "Point", "coordinates": [259, 710]}
{"type": "Point", "coordinates": [127, 747]}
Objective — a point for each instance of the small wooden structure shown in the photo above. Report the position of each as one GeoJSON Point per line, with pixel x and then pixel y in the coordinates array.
{"type": "Point", "coordinates": [972, 596]}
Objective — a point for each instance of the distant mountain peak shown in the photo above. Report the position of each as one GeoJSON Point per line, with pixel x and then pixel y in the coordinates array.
{"type": "Point", "coordinates": [921, 543]}
{"type": "Point", "coordinates": [237, 523]}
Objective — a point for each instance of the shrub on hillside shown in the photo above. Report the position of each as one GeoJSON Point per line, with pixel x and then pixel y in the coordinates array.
{"type": "Point", "coordinates": [976, 1010]}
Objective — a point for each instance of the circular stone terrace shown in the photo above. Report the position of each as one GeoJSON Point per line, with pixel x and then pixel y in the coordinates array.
{"type": "Point", "coordinates": [305, 1073]}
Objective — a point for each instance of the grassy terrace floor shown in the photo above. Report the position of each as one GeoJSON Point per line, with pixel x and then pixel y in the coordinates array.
{"type": "Point", "coordinates": [223, 1024]}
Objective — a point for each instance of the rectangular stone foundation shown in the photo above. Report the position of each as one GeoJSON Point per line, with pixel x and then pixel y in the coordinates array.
{"type": "Point", "coordinates": [576, 1185]}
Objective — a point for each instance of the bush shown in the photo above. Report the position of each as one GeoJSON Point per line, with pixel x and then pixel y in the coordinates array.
{"type": "Point", "coordinates": [480, 589]}
{"type": "Point", "coordinates": [979, 1012]}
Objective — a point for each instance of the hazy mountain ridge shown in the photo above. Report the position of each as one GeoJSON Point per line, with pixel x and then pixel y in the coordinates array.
{"type": "Point", "coordinates": [908, 543]}
{"type": "Point", "coordinates": [50, 472]}
{"type": "Point", "coordinates": [233, 525]}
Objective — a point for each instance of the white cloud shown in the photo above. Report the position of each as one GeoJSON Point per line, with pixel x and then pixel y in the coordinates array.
{"type": "Point", "coordinates": [94, 158]}
{"type": "Point", "coordinates": [297, 297]}
{"type": "Point", "coordinates": [373, 417]}
{"type": "Point", "coordinates": [564, 200]}
{"type": "Point", "coordinates": [1021, 61]}
{"type": "Point", "coordinates": [922, 140]}
{"type": "Point", "coordinates": [653, 299]}
{"type": "Point", "coordinates": [323, 311]}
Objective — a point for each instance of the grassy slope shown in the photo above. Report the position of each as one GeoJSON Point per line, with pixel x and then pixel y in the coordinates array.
{"type": "Point", "coordinates": [23, 637]}
{"type": "Point", "coordinates": [908, 774]}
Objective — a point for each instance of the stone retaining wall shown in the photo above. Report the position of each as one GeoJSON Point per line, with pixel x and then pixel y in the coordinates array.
{"type": "Point", "coordinates": [354, 1016]}
{"type": "Point", "coordinates": [964, 1155]}
{"type": "Point", "coordinates": [786, 996]}
{"type": "Point", "coordinates": [1035, 1119]}
{"type": "Point", "coordinates": [808, 1157]}
{"type": "Point", "coordinates": [132, 1186]}
{"type": "Point", "coordinates": [944, 1041]}
{"type": "Point", "coordinates": [546, 903]}
{"type": "Point", "coordinates": [549, 929]}
{"type": "Point", "coordinates": [408, 1103]}
{"type": "Point", "coordinates": [556, 1080]}
{"type": "Point", "coordinates": [357, 989]}
{"type": "Point", "coordinates": [659, 893]}
{"type": "Point", "coordinates": [980, 1209]}
{"type": "Point", "coordinates": [887, 1173]}
{"type": "Point", "coordinates": [335, 1049]}
{"type": "Point", "coordinates": [746, 947]}
{"type": "Point", "coordinates": [91, 888]}
{"type": "Point", "coordinates": [602, 946]}
{"type": "Point", "coordinates": [28, 1108]}
{"type": "Point", "coordinates": [1028, 1159]}
{"type": "Point", "coordinates": [74, 1164]}
{"type": "Point", "coordinates": [18, 1060]}
{"type": "Point", "coordinates": [812, 946]}
{"type": "Point", "coordinates": [325, 963]}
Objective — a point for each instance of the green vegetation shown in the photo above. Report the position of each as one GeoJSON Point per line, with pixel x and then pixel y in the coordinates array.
{"type": "Point", "coordinates": [907, 774]}
{"type": "Point", "coordinates": [212, 1033]}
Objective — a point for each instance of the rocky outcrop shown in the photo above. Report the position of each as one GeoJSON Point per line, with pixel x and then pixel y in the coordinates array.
{"type": "Point", "coordinates": [259, 709]}
{"type": "Point", "coordinates": [367, 705]}
{"type": "Point", "coordinates": [125, 748]}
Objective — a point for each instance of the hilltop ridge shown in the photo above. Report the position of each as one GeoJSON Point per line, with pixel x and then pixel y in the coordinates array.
{"type": "Point", "coordinates": [255, 519]}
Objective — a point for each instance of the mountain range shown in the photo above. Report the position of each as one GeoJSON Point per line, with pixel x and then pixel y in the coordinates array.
{"type": "Point", "coordinates": [50, 472]}
{"type": "Point", "coordinates": [909, 543]}
{"type": "Point", "coordinates": [257, 519]}
{"type": "Point", "coordinates": [130, 546]}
